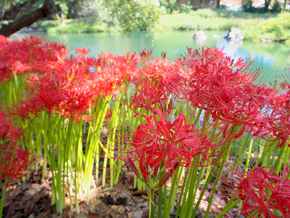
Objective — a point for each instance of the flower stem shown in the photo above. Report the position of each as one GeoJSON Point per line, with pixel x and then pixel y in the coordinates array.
{"type": "Point", "coordinates": [231, 204]}
{"type": "Point", "coordinates": [160, 197]}
{"type": "Point", "coordinates": [151, 203]}
{"type": "Point", "coordinates": [253, 214]}
{"type": "Point", "coordinates": [249, 154]}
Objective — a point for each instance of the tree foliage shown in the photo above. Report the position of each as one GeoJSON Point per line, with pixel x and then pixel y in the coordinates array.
{"type": "Point", "coordinates": [13, 9]}
{"type": "Point", "coordinates": [133, 15]}
{"type": "Point", "coordinates": [248, 6]}
{"type": "Point", "coordinates": [170, 5]}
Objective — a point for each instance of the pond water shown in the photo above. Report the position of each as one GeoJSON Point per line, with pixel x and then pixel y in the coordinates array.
{"type": "Point", "coordinates": [271, 57]}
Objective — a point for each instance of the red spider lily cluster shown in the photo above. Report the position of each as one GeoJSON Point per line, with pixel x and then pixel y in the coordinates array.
{"type": "Point", "coordinates": [185, 113]}
{"type": "Point", "coordinates": [260, 190]}
{"type": "Point", "coordinates": [15, 164]}
{"type": "Point", "coordinates": [213, 82]}
{"type": "Point", "coordinates": [28, 55]}
{"type": "Point", "coordinates": [56, 82]}
{"type": "Point", "coordinates": [174, 143]}
{"type": "Point", "coordinates": [263, 190]}
{"type": "Point", "coordinates": [14, 160]}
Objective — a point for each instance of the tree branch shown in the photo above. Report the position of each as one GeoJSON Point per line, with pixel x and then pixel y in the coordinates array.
{"type": "Point", "coordinates": [47, 9]}
{"type": "Point", "coordinates": [15, 9]}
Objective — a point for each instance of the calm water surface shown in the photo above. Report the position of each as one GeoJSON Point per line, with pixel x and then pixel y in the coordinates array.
{"type": "Point", "coordinates": [272, 57]}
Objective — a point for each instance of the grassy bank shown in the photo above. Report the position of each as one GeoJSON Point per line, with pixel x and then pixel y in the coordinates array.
{"type": "Point", "coordinates": [255, 27]}
{"type": "Point", "coordinates": [275, 27]}
{"type": "Point", "coordinates": [208, 19]}
{"type": "Point", "coordinates": [71, 26]}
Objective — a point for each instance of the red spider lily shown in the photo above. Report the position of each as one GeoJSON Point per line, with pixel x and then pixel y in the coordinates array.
{"type": "Point", "coordinates": [146, 54]}
{"type": "Point", "coordinates": [69, 91]}
{"type": "Point", "coordinates": [152, 84]}
{"type": "Point", "coordinates": [279, 114]}
{"type": "Point", "coordinates": [13, 163]}
{"type": "Point", "coordinates": [70, 87]}
{"type": "Point", "coordinates": [213, 82]}
{"type": "Point", "coordinates": [5, 73]}
{"type": "Point", "coordinates": [209, 79]}
{"type": "Point", "coordinates": [73, 86]}
{"type": "Point", "coordinates": [8, 132]}
{"type": "Point", "coordinates": [175, 143]}
{"type": "Point", "coordinates": [148, 97]}
{"type": "Point", "coordinates": [168, 174]}
{"type": "Point", "coordinates": [82, 51]}
{"type": "Point", "coordinates": [3, 39]}
{"type": "Point", "coordinates": [30, 54]}
{"type": "Point", "coordinates": [13, 160]}
{"type": "Point", "coordinates": [126, 63]}
{"type": "Point", "coordinates": [163, 55]}
{"type": "Point", "coordinates": [114, 71]}
{"type": "Point", "coordinates": [160, 71]}
{"type": "Point", "coordinates": [261, 190]}
{"type": "Point", "coordinates": [264, 190]}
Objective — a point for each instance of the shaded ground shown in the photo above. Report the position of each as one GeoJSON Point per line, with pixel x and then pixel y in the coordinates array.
{"type": "Point", "coordinates": [33, 199]}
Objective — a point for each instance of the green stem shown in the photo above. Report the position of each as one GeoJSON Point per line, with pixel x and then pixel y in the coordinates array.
{"type": "Point", "coordinates": [181, 196]}
{"type": "Point", "coordinates": [280, 158]}
{"type": "Point", "coordinates": [165, 202]}
{"type": "Point", "coordinates": [231, 204]}
{"type": "Point", "coordinates": [160, 197]}
{"type": "Point", "coordinates": [253, 214]}
{"type": "Point", "coordinates": [249, 154]}
{"type": "Point", "coordinates": [213, 190]}
{"type": "Point", "coordinates": [173, 190]}
{"type": "Point", "coordinates": [76, 179]}
{"type": "Point", "coordinates": [208, 179]}
{"type": "Point", "coordinates": [151, 203]}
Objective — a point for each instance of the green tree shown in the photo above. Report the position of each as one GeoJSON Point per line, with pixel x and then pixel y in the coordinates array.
{"type": "Point", "coordinates": [129, 15]}
{"type": "Point", "coordinates": [248, 6]}
{"type": "Point", "coordinates": [133, 15]}
{"type": "Point", "coordinates": [170, 5]}
{"type": "Point", "coordinates": [276, 7]}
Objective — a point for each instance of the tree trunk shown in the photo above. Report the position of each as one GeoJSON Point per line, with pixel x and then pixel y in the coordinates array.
{"type": "Point", "coordinates": [267, 3]}
{"type": "Point", "coordinates": [192, 3]}
{"type": "Point", "coordinates": [3, 10]}
{"type": "Point", "coordinates": [218, 4]}
{"type": "Point", "coordinates": [47, 9]}
{"type": "Point", "coordinates": [62, 18]}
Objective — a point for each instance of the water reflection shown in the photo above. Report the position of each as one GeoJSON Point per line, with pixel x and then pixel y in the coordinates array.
{"type": "Point", "coordinates": [199, 41]}
{"type": "Point", "coordinates": [234, 44]}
